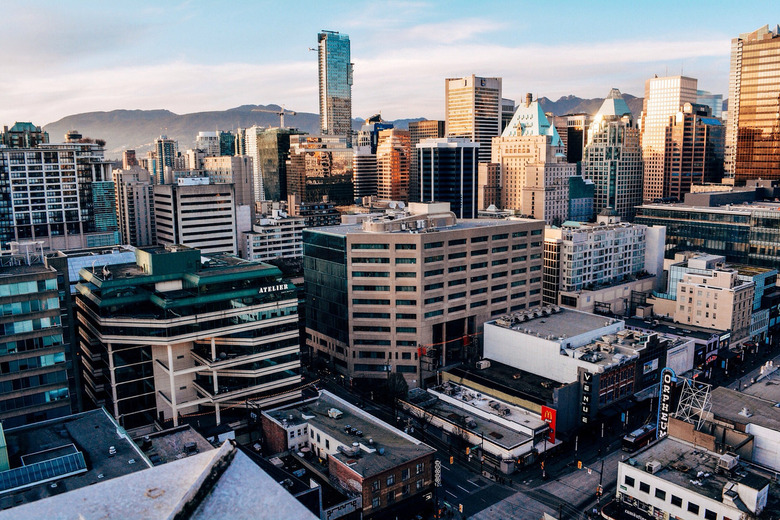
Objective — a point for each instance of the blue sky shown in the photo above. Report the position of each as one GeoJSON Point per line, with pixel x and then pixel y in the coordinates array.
{"type": "Point", "coordinates": [63, 58]}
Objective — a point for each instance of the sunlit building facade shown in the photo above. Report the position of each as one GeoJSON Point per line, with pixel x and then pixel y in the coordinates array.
{"type": "Point", "coordinates": [392, 160]}
{"type": "Point", "coordinates": [419, 130]}
{"type": "Point", "coordinates": [473, 110]}
{"type": "Point", "coordinates": [335, 70]}
{"type": "Point", "coordinates": [320, 166]}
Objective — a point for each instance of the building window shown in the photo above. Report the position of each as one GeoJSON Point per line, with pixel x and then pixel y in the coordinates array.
{"type": "Point", "coordinates": [693, 508]}
{"type": "Point", "coordinates": [405, 474]}
{"type": "Point", "coordinates": [629, 481]}
{"type": "Point", "coordinates": [660, 493]}
{"type": "Point", "coordinates": [710, 515]}
{"type": "Point", "coordinates": [419, 484]}
{"type": "Point", "coordinates": [375, 502]}
{"type": "Point", "coordinates": [406, 489]}
{"type": "Point", "coordinates": [420, 467]}
{"type": "Point", "coordinates": [327, 443]}
{"type": "Point", "coordinates": [390, 480]}
{"type": "Point", "coordinates": [391, 497]}
{"type": "Point", "coordinates": [676, 501]}
{"type": "Point", "coordinates": [644, 487]}
{"type": "Point", "coordinates": [375, 485]}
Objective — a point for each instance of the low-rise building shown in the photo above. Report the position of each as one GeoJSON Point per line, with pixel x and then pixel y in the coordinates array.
{"type": "Point", "coordinates": [273, 236]}
{"type": "Point", "coordinates": [391, 472]}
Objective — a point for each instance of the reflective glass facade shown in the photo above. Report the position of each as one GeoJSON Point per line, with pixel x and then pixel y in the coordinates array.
{"type": "Point", "coordinates": [448, 173]}
{"type": "Point", "coordinates": [335, 84]}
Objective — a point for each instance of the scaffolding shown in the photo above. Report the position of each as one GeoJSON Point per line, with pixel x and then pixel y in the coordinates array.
{"type": "Point", "coordinates": [695, 402]}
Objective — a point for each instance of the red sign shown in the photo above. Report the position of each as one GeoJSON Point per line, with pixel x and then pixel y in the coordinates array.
{"type": "Point", "coordinates": [548, 416]}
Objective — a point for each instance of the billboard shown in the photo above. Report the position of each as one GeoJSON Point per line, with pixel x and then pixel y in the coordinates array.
{"type": "Point", "coordinates": [548, 416]}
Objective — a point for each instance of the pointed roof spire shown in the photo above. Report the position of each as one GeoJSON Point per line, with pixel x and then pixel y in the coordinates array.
{"type": "Point", "coordinates": [614, 105]}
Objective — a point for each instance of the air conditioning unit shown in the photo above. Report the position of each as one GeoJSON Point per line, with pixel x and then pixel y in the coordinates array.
{"type": "Point", "coordinates": [483, 364]}
{"type": "Point", "coordinates": [653, 467]}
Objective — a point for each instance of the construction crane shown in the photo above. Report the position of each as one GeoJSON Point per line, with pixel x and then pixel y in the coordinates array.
{"type": "Point", "coordinates": [281, 113]}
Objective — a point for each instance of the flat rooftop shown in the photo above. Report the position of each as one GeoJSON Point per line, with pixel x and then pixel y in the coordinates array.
{"type": "Point", "coordinates": [399, 448]}
{"type": "Point", "coordinates": [686, 466]}
{"type": "Point", "coordinates": [173, 444]}
{"type": "Point", "coordinates": [673, 329]}
{"type": "Point", "coordinates": [24, 269]}
{"type": "Point", "coordinates": [560, 322]}
{"type": "Point", "coordinates": [512, 381]}
{"type": "Point", "coordinates": [729, 404]}
{"type": "Point", "coordinates": [91, 433]}
{"type": "Point", "coordinates": [350, 229]}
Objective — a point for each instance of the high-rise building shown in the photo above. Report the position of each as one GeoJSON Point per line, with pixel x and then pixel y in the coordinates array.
{"type": "Point", "coordinates": [227, 143]}
{"type": "Point", "coordinates": [239, 144]}
{"type": "Point", "coordinates": [753, 127]}
{"type": "Point", "coordinates": [273, 149]}
{"type": "Point", "coordinates": [364, 172]}
{"type": "Point", "coordinates": [694, 150]}
{"type": "Point", "coordinates": [236, 170]}
{"type": "Point", "coordinates": [573, 129]}
{"type": "Point", "coordinates": [335, 70]}
{"type": "Point", "coordinates": [208, 142]}
{"type": "Point", "coordinates": [135, 206]}
{"type": "Point", "coordinates": [448, 173]}
{"type": "Point", "coordinates": [198, 335]}
{"type": "Point", "coordinates": [533, 172]}
{"type": "Point", "coordinates": [68, 205]}
{"type": "Point", "coordinates": [714, 101]}
{"type": "Point", "coordinates": [273, 237]}
{"type": "Point", "coordinates": [368, 135]}
{"type": "Point", "coordinates": [197, 214]}
{"type": "Point", "coordinates": [507, 111]}
{"type": "Point", "coordinates": [419, 130]}
{"type": "Point", "coordinates": [613, 158]}
{"type": "Point", "coordinates": [32, 351]}
{"type": "Point", "coordinates": [320, 166]}
{"type": "Point", "coordinates": [581, 195]}
{"type": "Point", "coordinates": [472, 106]}
{"type": "Point", "coordinates": [393, 154]}
{"type": "Point", "coordinates": [379, 296]}
{"type": "Point", "coordinates": [23, 135]}
{"type": "Point", "coordinates": [128, 159]}
{"type": "Point", "coordinates": [663, 99]}
{"type": "Point", "coordinates": [166, 152]}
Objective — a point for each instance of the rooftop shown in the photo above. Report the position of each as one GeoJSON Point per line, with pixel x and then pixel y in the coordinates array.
{"type": "Point", "coordinates": [555, 321]}
{"type": "Point", "coordinates": [92, 434]}
{"type": "Point", "coordinates": [221, 483]}
{"type": "Point", "coordinates": [173, 444]}
{"type": "Point", "coordinates": [672, 329]}
{"type": "Point", "coordinates": [24, 269]}
{"type": "Point", "coordinates": [397, 447]}
{"type": "Point", "coordinates": [512, 381]}
{"type": "Point", "coordinates": [349, 229]}
{"type": "Point", "coordinates": [743, 408]}
{"type": "Point", "coordinates": [695, 469]}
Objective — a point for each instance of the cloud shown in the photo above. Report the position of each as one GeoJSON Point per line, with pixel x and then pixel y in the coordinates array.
{"type": "Point", "coordinates": [451, 31]}
{"type": "Point", "coordinates": [400, 80]}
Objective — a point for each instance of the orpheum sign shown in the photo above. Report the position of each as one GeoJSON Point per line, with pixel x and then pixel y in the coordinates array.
{"type": "Point", "coordinates": [668, 379]}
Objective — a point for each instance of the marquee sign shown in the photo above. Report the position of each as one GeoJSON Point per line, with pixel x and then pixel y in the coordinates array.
{"type": "Point", "coordinates": [668, 379]}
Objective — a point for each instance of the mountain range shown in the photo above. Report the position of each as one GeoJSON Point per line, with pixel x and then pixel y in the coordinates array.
{"type": "Point", "coordinates": [137, 129]}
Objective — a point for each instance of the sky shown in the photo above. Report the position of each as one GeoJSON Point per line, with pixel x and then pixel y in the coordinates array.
{"type": "Point", "coordinates": [62, 58]}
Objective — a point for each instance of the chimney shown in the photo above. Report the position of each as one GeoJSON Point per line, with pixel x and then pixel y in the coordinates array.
{"type": "Point", "coordinates": [528, 98]}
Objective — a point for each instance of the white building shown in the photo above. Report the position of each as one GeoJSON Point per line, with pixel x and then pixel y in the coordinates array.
{"type": "Point", "coordinates": [587, 258]}
{"type": "Point", "coordinates": [135, 206]}
{"type": "Point", "coordinates": [276, 236]}
{"type": "Point", "coordinates": [208, 142]}
{"type": "Point", "coordinates": [198, 215]}
{"type": "Point", "coordinates": [674, 479]}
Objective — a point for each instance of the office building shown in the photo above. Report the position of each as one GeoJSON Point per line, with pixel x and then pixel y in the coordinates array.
{"type": "Point", "coordinates": [320, 166]}
{"type": "Point", "coordinates": [532, 169]}
{"type": "Point", "coordinates": [596, 267]}
{"type": "Point", "coordinates": [181, 333]}
{"type": "Point", "coordinates": [365, 173]}
{"type": "Point", "coordinates": [714, 101]}
{"type": "Point", "coordinates": [449, 173]}
{"type": "Point", "coordinates": [272, 237]}
{"type": "Point", "coordinates": [694, 151]}
{"type": "Point", "coordinates": [82, 214]}
{"type": "Point", "coordinates": [419, 130]}
{"type": "Point", "coordinates": [682, 479]}
{"type": "Point", "coordinates": [314, 214]}
{"type": "Point", "coordinates": [663, 99]}
{"type": "Point", "coordinates": [129, 159]}
{"type": "Point", "coordinates": [393, 155]}
{"type": "Point", "coordinates": [472, 107]}
{"type": "Point", "coordinates": [740, 225]}
{"type": "Point", "coordinates": [753, 128]}
{"type": "Point", "coordinates": [166, 151]}
{"type": "Point", "coordinates": [239, 143]}
{"type": "Point", "coordinates": [135, 206]}
{"type": "Point", "coordinates": [573, 130]}
{"type": "Point", "coordinates": [227, 143]}
{"type": "Point", "coordinates": [270, 152]}
{"type": "Point", "coordinates": [23, 135]}
{"type": "Point", "coordinates": [335, 68]}
{"type": "Point", "coordinates": [613, 158]}
{"type": "Point", "coordinates": [35, 358]}
{"type": "Point", "coordinates": [507, 111]}
{"type": "Point", "coordinates": [581, 195]}
{"type": "Point", "coordinates": [368, 135]}
{"type": "Point", "coordinates": [391, 471]}
{"type": "Point", "coordinates": [197, 214]}
{"type": "Point", "coordinates": [208, 142]}
{"type": "Point", "coordinates": [236, 170]}
{"type": "Point", "coordinates": [379, 290]}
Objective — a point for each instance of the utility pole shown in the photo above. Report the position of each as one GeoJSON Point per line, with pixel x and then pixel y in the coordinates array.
{"type": "Point", "coordinates": [601, 478]}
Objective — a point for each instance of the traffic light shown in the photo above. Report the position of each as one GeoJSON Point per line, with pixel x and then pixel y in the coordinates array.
{"type": "Point", "coordinates": [468, 450]}
{"type": "Point", "coordinates": [460, 508]}
{"type": "Point", "coordinates": [542, 464]}
{"type": "Point", "coordinates": [452, 459]}
{"type": "Point", "coordinates": [599, 491]}
{"type": "Point", "coordinates": [579, 464]}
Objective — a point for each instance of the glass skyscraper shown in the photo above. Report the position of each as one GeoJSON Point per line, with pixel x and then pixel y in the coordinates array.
{"type": "Point", "coordinates": [335, 84]}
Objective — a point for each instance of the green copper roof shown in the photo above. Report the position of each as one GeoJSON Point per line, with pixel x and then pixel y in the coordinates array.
{"type": "Point", "coordinates": [23, 126]}
{"type": "Point", "coordinates": [614, 105]}
{"type": "Point", "coordinates": [530, 120]}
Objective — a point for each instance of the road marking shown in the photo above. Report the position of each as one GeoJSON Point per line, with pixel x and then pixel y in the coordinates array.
{"type": "Point", "coordinates": [451, 493]}
{"type": "Point", "coordinates": [474, 483]}
{"type": "Point", "coordinates": [445, 467]}
{"type": "Point", "coordinates": [464, 489]}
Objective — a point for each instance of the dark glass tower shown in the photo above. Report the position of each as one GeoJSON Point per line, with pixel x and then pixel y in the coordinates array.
{"type": "Point", "coordinates": [335, 84]}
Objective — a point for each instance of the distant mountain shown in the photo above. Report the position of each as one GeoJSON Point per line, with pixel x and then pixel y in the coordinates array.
{"type": "Point", "coordinates": [575, 105]}
{"type": "Point", "coordinates": [137, 129]}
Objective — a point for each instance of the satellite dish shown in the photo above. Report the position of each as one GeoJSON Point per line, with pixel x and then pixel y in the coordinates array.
{"type": "Point", "coordinates": [392, 204]}
{"type": "Point", "coordinates": [401, 205]}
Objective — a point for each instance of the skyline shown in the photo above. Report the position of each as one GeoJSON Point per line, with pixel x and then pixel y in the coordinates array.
{"type": "Point", "coordinates": [94, 57]}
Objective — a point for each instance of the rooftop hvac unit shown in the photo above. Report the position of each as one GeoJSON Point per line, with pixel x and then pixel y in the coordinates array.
{"type": "Point", "coordinates": [653, 467]}
{"type": "Point", "coordinates": [483, 364]}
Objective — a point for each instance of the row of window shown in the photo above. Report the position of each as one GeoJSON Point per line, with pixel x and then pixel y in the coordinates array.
{"type": "Point", "coordinates": [676, 501]}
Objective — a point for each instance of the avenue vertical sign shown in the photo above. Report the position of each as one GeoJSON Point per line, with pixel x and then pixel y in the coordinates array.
{"type": "Point", "coordinates": [668, 379]}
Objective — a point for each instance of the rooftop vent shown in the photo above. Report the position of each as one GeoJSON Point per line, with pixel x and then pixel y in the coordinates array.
{"type": "Point", "coordinates": [653, 467]}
